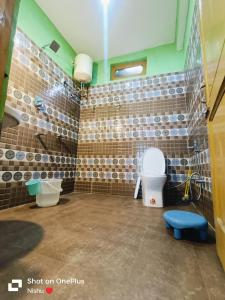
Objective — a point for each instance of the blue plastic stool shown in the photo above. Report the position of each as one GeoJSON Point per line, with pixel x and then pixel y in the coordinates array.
{"type": "Point", "coordinates": [180, 219]}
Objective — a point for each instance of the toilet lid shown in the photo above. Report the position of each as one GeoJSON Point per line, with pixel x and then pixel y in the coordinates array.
{"type": "Point", "coordinates": [153, 161]}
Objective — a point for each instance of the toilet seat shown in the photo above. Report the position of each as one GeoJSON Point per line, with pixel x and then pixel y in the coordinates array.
{"type": "Point", "coordinates": [153, 162]}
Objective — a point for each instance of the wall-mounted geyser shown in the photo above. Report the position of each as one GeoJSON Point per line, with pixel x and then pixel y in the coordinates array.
{"type": "Point", "coordinates": [83, 68]}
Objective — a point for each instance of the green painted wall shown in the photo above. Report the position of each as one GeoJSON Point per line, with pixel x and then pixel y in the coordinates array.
{"type": "Point", "coordinates": [34, 22]}
{"type": "Point", "coordinates": [189, 23]}
{"type": "Point", "coordinates": [161, 59]}
{"type": "Point", "coordinates": [3, 93]}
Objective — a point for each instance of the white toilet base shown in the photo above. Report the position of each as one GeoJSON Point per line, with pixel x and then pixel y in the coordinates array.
{"type": "Point", "coordinates": [152, 199]}
{"type": "Point", "coordinates": [46, 200]}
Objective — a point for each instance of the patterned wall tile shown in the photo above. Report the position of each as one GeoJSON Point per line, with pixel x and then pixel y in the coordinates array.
{"type": "Point", "coordinates": [196, 106]}
{"type": "Point", "coordinates": [44, 144]}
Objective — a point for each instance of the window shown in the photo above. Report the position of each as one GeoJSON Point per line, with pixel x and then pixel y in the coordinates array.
{"type": "Point", "coordinates": [126, 70]}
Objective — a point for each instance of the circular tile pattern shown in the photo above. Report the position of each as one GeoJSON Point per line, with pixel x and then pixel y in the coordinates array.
{"type": "Point", "coordinates": [17, 176]}
{"type": "Point", "coordinates": [175, 162]}
{"type": "Point", "coordinates": [27, 175]}
{"type": "Point", "coordinates": [50, 174]}
{"type": "Point", "coordinates": [135, 161]}
{"type": "Point", "coordinates": [164, 92]}
{"type": "Point", "coordinates": [78, 161]}
{"type": "Point", "coordinates": [25, 117]}
{"type": "Point", "coordinates": [121, 175]}
{"type": "Point", "coordinates": [181, 117]}
{"type": "Point", "coordinates": [115, 161]}
{"type": "Point", "coordinates": [174, 132]}
{"type": "Point", "coordinates": [43, 175]}
{"type": "Point", "coordinates": [51, 158]}
{"type": "Point", "coordinates": [54, 128]}
{"type": "Point", "coordinates": [43, 58]}
{"type": "Point", "coordinates": [135, 176]}
{"type": "Point", "coordinates": [157, 119]}
{"type": "Point", "coordinates": [34, 50]}
{"type": "Point", "coordinates": [10, 154]}
{"type": "Point", "coordinates": [56, 175]}
{"type": "Point", "coordinates": [165, 118]}
{"type": "Point", "coordinates": [129, 176]}
{"type": "Point", "coordinates": [101, 175]}
{"type": "Point", "coordinates": [37, 157]}
{"type": "Point", "coordinates": [42, 73]}
{"type": "Point", "coordinates": [6, 176]}
{"type": "Point", "coordinates": [49, 126]}
{"type": "Point", "coordinates": [165, 132]}
{"type": "Point", "coordinates": [173, 118]}
{"type": "Point", "coordinates": [157, 133]}
{"type": "Point", "coordinates": [184, 162]}
{"type": "Point", "coordinates": [36, 175]}
{"type": "Point", "coordinates": [33, 121]}
{"type": "Point", "coordinates": [95, 174]}
{"type": "Point", "coordinates": [45, 158]}
{"type": "Point", "coordinates": [83, 174]}
{"type": "Point", "coordinates": [34, 67]}
{"type": "Point", "coordinates": [60, 130]}
{"type": "Point", "coordinates": [182, 131]}
{"type": "Point", "coordinates": [121, 161]}
{"type": "Point", "coordinates": [55, 114]}
{"type": "Point", "coordinates": [179, 90]}
{"type": "Point", "coordinates": [57, 159]}
{"type": "Point", "coordinates": [17, 94]}
{"type": "Point", "coordinates": [172, 91]}
{"type": "Point", "coordinates": [29, 156]}
{"type": "Point", "coordinates": [42, 123]}
{"type": "Point", "coordinates": [27, 99]}
{"type": "Point", "coordinates": [155, 80]}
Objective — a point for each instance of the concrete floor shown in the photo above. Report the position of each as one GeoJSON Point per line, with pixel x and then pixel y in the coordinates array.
{"type": "Point", "coordinates": [120, 250]}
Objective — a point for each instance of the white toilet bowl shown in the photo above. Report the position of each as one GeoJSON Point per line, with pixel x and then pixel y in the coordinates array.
{"type": "Point", "coordinates": [153, 177]}
{"type": "Point", "coordinates": [50, 192]}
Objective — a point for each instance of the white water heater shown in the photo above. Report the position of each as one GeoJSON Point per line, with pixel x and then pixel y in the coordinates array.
{"type": "Point", "coordinates": [83, 68]}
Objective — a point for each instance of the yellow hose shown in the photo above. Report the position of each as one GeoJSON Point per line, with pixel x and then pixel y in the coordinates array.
{"type": "Point", "coordinates": [187, 186]}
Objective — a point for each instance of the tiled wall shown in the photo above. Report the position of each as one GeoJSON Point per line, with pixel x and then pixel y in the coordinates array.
{"type": "Point", "coordinates": [120, 120]}
{"type": "Point", "coordinates": [117, 122]}
{"type": "Point", "coordinates": [22, 149]}
{"type": "Point", "coordinates": [196, 107]}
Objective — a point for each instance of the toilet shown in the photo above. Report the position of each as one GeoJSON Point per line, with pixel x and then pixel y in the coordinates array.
{"type": "Point", "coordinates": [153, 177]}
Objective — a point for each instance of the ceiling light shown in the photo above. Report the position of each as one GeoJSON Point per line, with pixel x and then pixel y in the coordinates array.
{"type": "Point", "coordinates": [105, 2]}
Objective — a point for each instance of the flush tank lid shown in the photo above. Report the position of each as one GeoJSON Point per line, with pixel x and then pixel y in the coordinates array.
{"type": "Point", "coordinates": [153, 161]}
